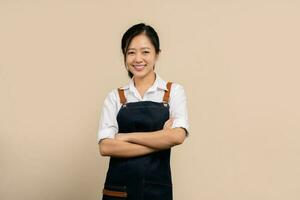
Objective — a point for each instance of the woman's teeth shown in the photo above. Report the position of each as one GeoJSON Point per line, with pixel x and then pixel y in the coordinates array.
{"type": "Point", "coordinates": [139, 67]}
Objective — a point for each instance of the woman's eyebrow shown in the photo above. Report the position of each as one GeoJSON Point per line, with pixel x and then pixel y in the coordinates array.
{"type": "Point", "coordinates": [140, 48]}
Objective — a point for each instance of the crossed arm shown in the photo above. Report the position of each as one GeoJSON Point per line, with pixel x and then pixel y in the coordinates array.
{"type": "Point", "coordinates": [142, 143]}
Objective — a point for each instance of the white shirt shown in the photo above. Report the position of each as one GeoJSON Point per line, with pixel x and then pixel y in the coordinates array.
{"type": "Point", "coordinates": [108, 126]}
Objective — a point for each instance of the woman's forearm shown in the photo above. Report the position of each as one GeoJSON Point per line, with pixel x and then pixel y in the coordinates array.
{"type": "Point", "coordinates": [118, 148]}
{"type": "Point", "coordinates": [162, 139]}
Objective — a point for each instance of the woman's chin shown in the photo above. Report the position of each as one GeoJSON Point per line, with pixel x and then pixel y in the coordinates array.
{"type": "Point", "coordinates": [139, 74]}
{"type": "Point", "coordinates": [142, 74]}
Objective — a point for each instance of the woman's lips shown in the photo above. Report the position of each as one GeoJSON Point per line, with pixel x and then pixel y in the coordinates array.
{"type": "Point", "coordinates": [138, 67]}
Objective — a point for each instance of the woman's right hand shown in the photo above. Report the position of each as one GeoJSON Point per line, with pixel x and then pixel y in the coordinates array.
{"type": "Point", "coordinates": [168, 124]}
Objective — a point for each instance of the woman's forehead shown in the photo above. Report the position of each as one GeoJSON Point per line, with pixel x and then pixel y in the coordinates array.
{"type": "Point", "coordinates": [140, 42]}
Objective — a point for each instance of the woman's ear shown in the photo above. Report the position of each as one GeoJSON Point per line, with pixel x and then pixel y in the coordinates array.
{"type": "Point", "coordinates": [157, 55]}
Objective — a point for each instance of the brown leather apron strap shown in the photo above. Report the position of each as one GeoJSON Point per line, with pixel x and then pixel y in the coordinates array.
{"type": "Point", "coordinates": [167, 93]}
{"type": "Point", "coordinates": [122, 96]}
{"type": "Point", "coordinates": [165, 98]}
{"type": "Point", "coordinates": [114, 193]}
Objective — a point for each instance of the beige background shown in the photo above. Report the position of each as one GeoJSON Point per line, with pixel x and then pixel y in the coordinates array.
{"type": "Point", "coordinates": [238, 61]}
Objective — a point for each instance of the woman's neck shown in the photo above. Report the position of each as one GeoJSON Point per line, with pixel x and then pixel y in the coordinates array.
{"type": "Point", "coordinates": [145, 82]}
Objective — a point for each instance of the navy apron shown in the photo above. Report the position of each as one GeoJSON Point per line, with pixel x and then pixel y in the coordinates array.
{"type": "Point", "coordinates": [145, 177]}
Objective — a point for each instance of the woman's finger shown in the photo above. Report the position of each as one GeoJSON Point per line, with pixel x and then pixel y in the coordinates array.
{"type": "Point", "coordinates": [169, 123]}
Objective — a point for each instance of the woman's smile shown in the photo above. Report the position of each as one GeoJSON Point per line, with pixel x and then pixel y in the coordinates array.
{"type": "Point", "coordinates": [139, 67]}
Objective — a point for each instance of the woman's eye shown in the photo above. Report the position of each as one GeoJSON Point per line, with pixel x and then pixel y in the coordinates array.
{"type": "Point", "coordinates": [146, 52]}
{"type": "Point", "coordinates": [131, 52]}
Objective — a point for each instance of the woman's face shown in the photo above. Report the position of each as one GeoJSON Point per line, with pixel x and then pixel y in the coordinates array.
{"type": "Point", "coordinates": [141, 56]}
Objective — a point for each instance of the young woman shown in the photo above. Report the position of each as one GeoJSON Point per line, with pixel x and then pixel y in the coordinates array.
{"type": "Point", "coordinates": [140, 122]}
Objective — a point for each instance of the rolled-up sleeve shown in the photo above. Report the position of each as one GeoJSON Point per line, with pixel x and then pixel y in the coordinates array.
{"type": "Point", "coordinates": [178, 107]}
{"type": "Point", "coordinates": [108, 125]}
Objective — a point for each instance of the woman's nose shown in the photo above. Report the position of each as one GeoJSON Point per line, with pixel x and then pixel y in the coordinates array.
{"type": "Point", "coordinates": [138, 58]}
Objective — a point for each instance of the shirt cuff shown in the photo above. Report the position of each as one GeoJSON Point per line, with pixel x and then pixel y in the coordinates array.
{"type": "Point", "coordinates": [106, 133]}
{"type": "Point", "coordinates": [180, 123]}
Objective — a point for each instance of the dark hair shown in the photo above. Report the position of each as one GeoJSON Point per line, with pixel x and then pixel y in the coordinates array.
{"type": "Point", "coordinates": [135, 30]}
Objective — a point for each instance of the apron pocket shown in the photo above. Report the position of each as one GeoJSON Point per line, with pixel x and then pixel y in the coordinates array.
{"type": "Point", "coordinates": [154, 190]}
{"type": "Point", "coordinates": [114, 192]}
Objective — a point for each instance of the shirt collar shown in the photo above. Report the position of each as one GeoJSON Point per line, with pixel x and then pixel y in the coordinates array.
{"type": "Point", "coordinates": [159, 83]}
